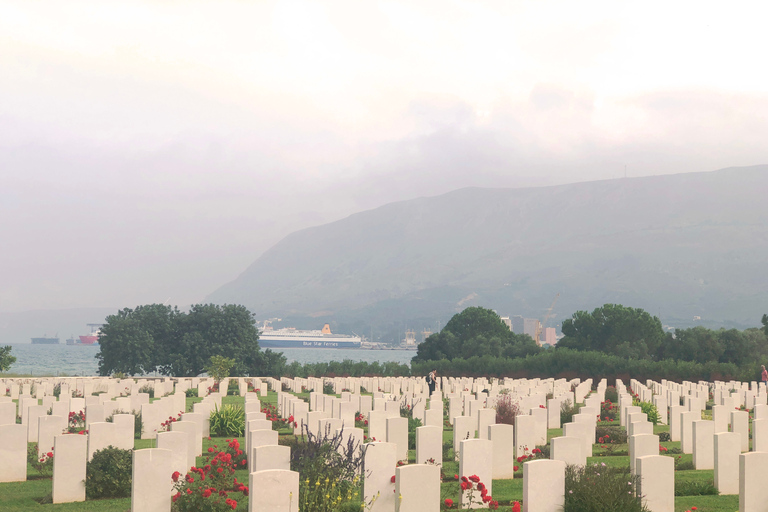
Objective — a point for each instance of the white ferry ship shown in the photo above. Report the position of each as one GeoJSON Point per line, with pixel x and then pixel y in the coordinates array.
{"type": "Point", "coordinates": [290, 337]}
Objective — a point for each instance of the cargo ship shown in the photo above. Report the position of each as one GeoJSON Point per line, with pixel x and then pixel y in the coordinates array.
{"type": "Point", "coordinates": [291, 337]}
{"type": "Point", "coordinates": [89, 340]}
{"type": "Point", "coordinates": [45, 341]}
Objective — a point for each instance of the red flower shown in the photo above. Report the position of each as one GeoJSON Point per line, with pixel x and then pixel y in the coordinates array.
{"type": "Point", "coordinates": [448, 502]}
{"type": "Point", "coordinates": [210, 449]}
{"type": "Point", "coordinates": [49, 454]}
{"type": "Point", "coordinates": [189, 491]}
{"type": "Point", "coordinates": [516, 468]}
{"type": "Point", "coordinates": [175, 476]}
{"type": "Point", "coordinates": [494, 505]}
{"type": "Point", "coordinates": [392, 479]}
{"type": "Point", "coordinates": [515, 506]}
{"type": "Point", "coordinates": [206, 493]}
{"type": "Point", "coordinates": [474, 478]}
{"type": "Point", "coordinates": [455, 477]}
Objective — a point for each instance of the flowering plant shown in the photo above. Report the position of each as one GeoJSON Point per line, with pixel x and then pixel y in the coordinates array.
{"type": "Point", "coordinates": [476, 493]}
{"type": "Point", "coordinates": [208, 488]}
{"type": "Point", "coordinates": [166, 425]}
{"type": "Point", "coordinates": [43, 462]}
{"type": "Point", "coordinates": [76, 423]}
{"type": "Point", "coordinates": [278, 422]}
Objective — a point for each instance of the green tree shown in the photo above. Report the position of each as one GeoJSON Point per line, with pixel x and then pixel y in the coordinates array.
{"type": "Point", "coordinates": [219, 367]}
{"type": "Point", "coordinates": [6, 359]}
{"type": "Point", "coordinates": [135, 341]}
{"type": "Point", "coordinates": [765, 324]}
{"type": "Point", "coordinates": [475, 331]}
{"type": "Point", "coordinates": [161, 338]}
{"type": "Point", "coordinates": [614, 329]}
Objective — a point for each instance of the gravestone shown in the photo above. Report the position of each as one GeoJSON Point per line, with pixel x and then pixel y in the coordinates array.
{"type": "Point", "coordinates": [429, 444]}
{"type": "Point", "coordinates": [543, 486]}
{"type": "Point", "coordinates": [417, 487]}
{"type": "Point", "coordinates": [721, 417]}
{"type": "Point", "coordinates": [380, 463]}
{"type": "Point", "coordinates": [100, 436]}
{"type": "Point", "coordinates": [485, 418]}
{"type": "Point", "coordinates": [48, 427]}
{"type": "Point", "coordinates": [568, 449]}
{"type": "Point", "coordinates": [151, 486]}
{"type": "Point", "coordinates": [178, 444]}
{"type": "Point", "coordinates": [69, 464]}
{"type": "Point", "coordinates": [760, 435]}
{"type": "Point", "coordinates": [7, 413]}
{"type": "Point", "coordinates": [584, 432]}
{"type": "Point", "coordinates": [33, 413]}
{"type": "Point", "coordinates": [642, 445]}
{"type": "Point", "coordinates": [259, 438]}
{"type": "Point", "coordinates": [656, 475]}
{"type": "Point", "coordinates": [753, 493]}
{"type": "Point", "coordinates": [525, 435]}
{"type": "Point", "coordinates": [674, 422]}
{"type": "Point", "coordinates": [278, 491]}
{"type": "Point", "coordinates": [270, 457]}
{"type": "Point", "coordinates": [476, 458]}
{"type": "Point", "coordinates": [740, 424]}
{"type": "Point", "coordinates": [13, 452]}
{"type": "Point", "coordinates": [686, 430]}
{"type": "Point", "coordinates": [397, 433]}
{"type": "Point", "coordinates": [727, 449]}
{"type": "Point", "coordinates": [189, 428]}
{"type": "Point", "coordinates": [703, 444]}
{"type": "Point", "coordinates": [503, 438]}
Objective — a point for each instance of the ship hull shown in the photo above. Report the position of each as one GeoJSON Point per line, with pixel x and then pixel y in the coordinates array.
{"type": "Point", "coordinates": [304, 343]}
{"type": "Point", "coordinates": [45, 341]}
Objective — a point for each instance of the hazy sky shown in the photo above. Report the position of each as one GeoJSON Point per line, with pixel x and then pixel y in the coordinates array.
{"type": "Point", "coordinates": [152, 150]}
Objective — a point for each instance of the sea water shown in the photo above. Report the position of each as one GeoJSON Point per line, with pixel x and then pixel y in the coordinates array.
{"type": "Point", "coordinates": [74, 360]}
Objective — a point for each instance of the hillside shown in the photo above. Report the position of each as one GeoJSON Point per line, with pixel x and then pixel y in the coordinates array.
{"type": "Point", "coordinates": [678, 245]}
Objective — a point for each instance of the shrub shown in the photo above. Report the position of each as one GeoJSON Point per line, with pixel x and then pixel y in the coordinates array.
{"type": "Point", "coordinates": [108, 474]}
{"type": "Point", "coordinates": [610, 435]}
{"type": "Point", "coordinates": [328, 388]}
{"type": "Point", "coordinates": [567, 411]}
{"type": "Point", "coordinates": [413, 424]}
{"type": "Point", "coordinates": [694, 488]}
{"type": "Point", "coordinates": [506, 410]}
{"type": "Point", "coordinates": [233, 389]}
{"type": "Point", "coordinates": [191, 392]}
{"type": "Point", "coordinates": [608, 411]}
{"type": "Point", "coordinates": [664, 436]}
{"type": "Point", "coordinates": [650, 410]}
{"type": "Point", "coordinates": [599, 488]}
{"type": "Point", "coordinates": [611, 395]}
{"type": "Point", "coordinates": [149, 389]}
{"type": "Point", "coordinates": [329, 471]}
{"type": "Point", "coordinates": [57, 390]}
{"type": "Point", "coordinates": [228, 421]}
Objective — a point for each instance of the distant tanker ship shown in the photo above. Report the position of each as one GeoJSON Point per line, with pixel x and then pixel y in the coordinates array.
{"type": "Point", "coordinates": [45, 341]}
{"type": "Point", "coordinates": [91, 340]}
{"type": "Point", "coordinates": [291, 337]}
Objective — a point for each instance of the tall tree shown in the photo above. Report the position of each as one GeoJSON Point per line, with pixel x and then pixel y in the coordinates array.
{"type": "Point", "coordinates": [6, 359]}
{"type": "Point", "coordinates": [475, 332]}
{"type": "Point", "coordinates": [614, 329]}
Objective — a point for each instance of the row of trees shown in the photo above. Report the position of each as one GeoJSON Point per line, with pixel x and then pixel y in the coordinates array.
{"type": "Point", "coordinates": [612, 329]}
{"type": "Point", "coordinates": [633, 333]}
{"type": "Point", "coordinates": [161, 338]}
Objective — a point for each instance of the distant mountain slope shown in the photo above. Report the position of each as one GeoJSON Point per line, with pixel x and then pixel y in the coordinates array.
{"type": "Point", "coordinates": [678, 245]}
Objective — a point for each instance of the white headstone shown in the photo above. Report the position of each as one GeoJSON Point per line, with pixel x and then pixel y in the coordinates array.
{"type": "Point", "coordinates": [429, 444]}
{"type": "Point", "coordinates": [568, 449]}
{"type": "Point", "coordinates": [397, 433]}
{"type": "Point", "coordinates": [656, 475]}
{"type": "Point", "coordinates": [727, 449]}
{"type": "Point", "coordinates": [380, 463]}
{"type": "Point", "coordinates": [703, 444]}
{"type": "Point", "coordinates": [753, 493]}
{"type": "Point", "coordinates": [69, 464]}
{"type": "Point", "coordinates": [13, 453]}
{"type": "Point", "coordinates": [269, 457]}
{"type": "Point", "coordinates": [278, 491]}
{"type": "Point", "coordinates": [476, 458]}
{"type": "Point", "coordinates": [417, 487]}
{"type": "Point", "coordinates": [543, 486]}
{"type": "Point", "coordinates": [503, 438]}
{"type": "Point", "coordinates": [152, 484]}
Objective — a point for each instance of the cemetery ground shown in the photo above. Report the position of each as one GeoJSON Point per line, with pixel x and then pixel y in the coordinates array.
{"type": "Point", "coordinates": [34, 494]}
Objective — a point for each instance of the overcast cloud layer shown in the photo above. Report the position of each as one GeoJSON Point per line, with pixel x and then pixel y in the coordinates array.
{"type": "Point", "coordinates": [152, 150]}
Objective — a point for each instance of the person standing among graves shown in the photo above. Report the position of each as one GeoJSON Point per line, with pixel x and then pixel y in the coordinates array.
{"type": "Point", "coordinates": [764, 375]}
{"type": "Point", "coordinates": [432, 381]}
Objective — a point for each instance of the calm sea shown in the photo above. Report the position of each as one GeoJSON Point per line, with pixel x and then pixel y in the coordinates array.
{"type": "Point", "coordinates": [75, 360]}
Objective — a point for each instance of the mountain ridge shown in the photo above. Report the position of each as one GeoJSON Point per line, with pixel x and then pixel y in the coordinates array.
{"type": "Point", "coordinates": [629, 240]}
